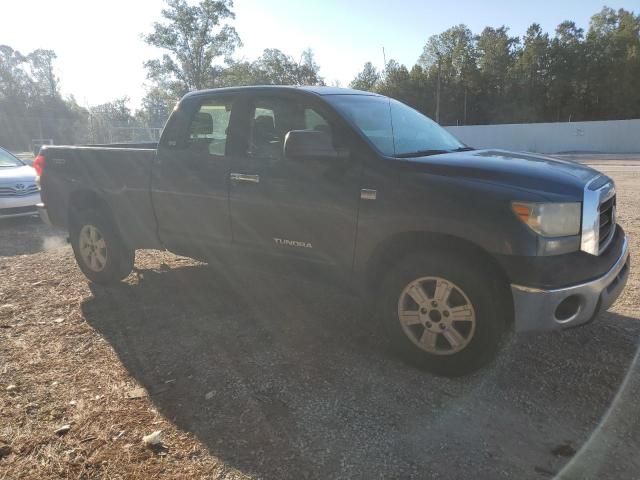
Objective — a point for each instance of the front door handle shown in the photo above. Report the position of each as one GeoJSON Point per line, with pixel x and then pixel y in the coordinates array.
{"type": "Point", "coordinates": [243, 177]}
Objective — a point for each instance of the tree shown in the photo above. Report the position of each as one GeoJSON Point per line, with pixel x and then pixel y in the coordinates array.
{"type": "Point", "coordinates": [30, 102]}
{"type": "Point", "coordinates": [612, 49]}
{"type": "Point", "coordinates": [194, 38]}
{"type": "Point", "coordinates": [496, 52]}
{"type": "Point", "coordinates": [308, 69]}
{"type": "Point", "coordinates": [396, 82]}
{"type": "Point", "coordinates": [157, 105]}
{"type": "Point", "coordinates": [14, 80]}
{"type": "Point", "coordinates": [367, 79]}
{"type": "Point", "coordinates": [496, 55]}
{"type": "Point", "coordinates": [566, 73]}
{"type": "Point", "coordinates": [532, 74]}
{"type": "Point", "coordinates": [241, 72]}
{"type": "Point", "coordinates": [274, 67]}
{"type": "Point", "coordinates": [449, 58]}
{"type": "Point", "coordinates": [111, 121]}
{"type": "Point", "coordinates": [454, 49]}
{"type": "Point", "coordinates": [41, 62]}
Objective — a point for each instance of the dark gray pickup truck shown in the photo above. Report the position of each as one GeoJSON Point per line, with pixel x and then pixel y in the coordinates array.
{"type": "Point", "coordinates": [452, 247]}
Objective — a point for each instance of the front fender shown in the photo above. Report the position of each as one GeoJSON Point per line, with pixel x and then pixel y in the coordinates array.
{"type": "Point", "coordinates": [477, 212]}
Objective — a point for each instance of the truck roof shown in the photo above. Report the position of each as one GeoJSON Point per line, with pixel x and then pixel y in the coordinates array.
{"type": "Point", "coordinates": [311, 89]}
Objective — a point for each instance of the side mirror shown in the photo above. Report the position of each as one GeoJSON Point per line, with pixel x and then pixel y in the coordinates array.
{"type": "Point", "coordinates": [310, 144]}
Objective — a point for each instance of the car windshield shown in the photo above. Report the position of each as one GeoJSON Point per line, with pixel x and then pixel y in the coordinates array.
{"type": "Point", "coordinates": [394, 128]}
{"type": "Point", "coordinates": [8, 160]}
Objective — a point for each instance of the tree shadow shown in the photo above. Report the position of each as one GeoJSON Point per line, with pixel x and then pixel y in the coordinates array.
{"type": "Point", "coordinates": [287, 378]}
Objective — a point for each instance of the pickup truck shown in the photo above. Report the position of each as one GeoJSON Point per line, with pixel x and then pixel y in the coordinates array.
{"type": "Point", "coordinates": [452, 248]}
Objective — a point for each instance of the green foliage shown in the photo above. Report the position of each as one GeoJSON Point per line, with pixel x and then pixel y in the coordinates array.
{"type": "Point", "coordinates": [496, 78]}
{"type": "Point", "coordinates": [157, 105]}
{"type": "Point", "coordinates": [198, 49]}
{"type": "Point", "coordinates": [274, 67]}
{"type": "Point", "coordinates": [30, 103]}
{"type": "Point", "coordinates": [367, 79]}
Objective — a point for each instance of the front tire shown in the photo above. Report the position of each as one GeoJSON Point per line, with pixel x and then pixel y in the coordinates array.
{"type": "Point", "coordinates": [99, 250]}
{"type": "Point", "coordinates": [442, 312]}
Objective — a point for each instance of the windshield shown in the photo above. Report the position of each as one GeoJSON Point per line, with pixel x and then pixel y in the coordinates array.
{"type": "Point", "coordinates": [393, 127]}
{"type": "Point", "coordinates": [8, 160]}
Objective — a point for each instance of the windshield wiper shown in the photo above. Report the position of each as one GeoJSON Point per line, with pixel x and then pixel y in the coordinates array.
{"type": "Point", "coordinates": [463, 149]}
{"type": "Point", "coordinates": [421, 153]}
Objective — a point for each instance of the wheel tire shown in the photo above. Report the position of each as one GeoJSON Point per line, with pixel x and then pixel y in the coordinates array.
{"type": "Point", "coordinates": [479, 288]}
{"type": "Point", "coordinates": [117, 260]}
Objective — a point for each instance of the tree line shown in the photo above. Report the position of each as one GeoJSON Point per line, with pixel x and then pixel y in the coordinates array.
{"type": "Point", "coordinates": [460, 77]}
{"type": "Point", "coordinates": [494, 77]}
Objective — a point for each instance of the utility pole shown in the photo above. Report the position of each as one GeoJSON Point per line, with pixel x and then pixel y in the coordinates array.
{"type": "Point", "coordinates": [438, 91]}
{"type": "Point", "coordinates": [464, 121]}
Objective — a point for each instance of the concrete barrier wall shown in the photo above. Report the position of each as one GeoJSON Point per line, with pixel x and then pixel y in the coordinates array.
{"type": "Point", "coordinates": [614, 136]}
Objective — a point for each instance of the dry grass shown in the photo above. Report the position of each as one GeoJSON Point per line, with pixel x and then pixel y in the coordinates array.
{"type": "Point", "coordinates": [60, 371]}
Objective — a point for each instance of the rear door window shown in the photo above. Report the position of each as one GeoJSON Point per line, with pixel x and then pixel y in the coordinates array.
{"type": "Point", "coordinates": [209, 128]}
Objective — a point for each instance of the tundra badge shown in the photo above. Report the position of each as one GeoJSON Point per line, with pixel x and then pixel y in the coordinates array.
{"type": "Point", "coordinates": [292, 243]}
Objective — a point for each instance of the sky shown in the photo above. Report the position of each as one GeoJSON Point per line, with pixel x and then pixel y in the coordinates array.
{"type": "Point", "coordinates": [101, 51]}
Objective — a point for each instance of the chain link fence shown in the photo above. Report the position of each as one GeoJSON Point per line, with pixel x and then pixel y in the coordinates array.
{"type": "Point", "coordinates": [22, 133]}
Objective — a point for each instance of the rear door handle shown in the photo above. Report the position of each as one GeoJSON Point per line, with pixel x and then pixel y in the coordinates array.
{"type": "Point", "coordinates": [243, 177]}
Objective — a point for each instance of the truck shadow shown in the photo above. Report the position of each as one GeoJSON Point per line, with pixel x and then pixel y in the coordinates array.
{"type": "Point", "coordinates": [287, 378]}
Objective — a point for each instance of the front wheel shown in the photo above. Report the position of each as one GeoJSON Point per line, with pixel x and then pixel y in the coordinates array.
{"type": "Point", "coordinates": [442, 312]}
{"type": "Point", "coordinates": [100, 252]}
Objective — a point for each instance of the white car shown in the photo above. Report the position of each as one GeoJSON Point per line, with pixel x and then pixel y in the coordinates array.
{"type": "Point", "coordinates": [19, 192]}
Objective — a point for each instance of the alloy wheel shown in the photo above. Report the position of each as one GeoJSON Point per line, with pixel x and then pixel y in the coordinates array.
{"type": "Point", "coordinates": [93, 248]}
{"type": "Point", "coordinates": [436, 315]}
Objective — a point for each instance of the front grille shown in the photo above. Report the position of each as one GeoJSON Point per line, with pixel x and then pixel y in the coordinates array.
{"type": "Point", "coordinates": [18, 191]}
{"type": "Point", "coordinates": [607, 222]}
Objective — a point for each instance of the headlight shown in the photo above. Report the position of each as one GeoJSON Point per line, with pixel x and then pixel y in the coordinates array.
{"type": "Point", "coordinates": [550, 219]}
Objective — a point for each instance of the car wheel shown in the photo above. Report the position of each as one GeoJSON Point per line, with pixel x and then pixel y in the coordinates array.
{"type": "Point", "coordinates": [100, 252]}
{"type": "Point", "coordinates": [442, 313]}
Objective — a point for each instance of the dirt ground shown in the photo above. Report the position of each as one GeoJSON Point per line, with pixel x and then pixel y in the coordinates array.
{"type": "Point", "coordinates": [256, 375]}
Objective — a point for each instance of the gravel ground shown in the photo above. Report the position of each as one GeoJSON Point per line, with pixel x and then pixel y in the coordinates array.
{"type": "Point", "coordinates": [257, 375]}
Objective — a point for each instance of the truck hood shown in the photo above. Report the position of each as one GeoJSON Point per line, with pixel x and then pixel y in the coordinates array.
{"type": "Point", "coordinates": [527, 171]}
{"type": "Point", "coordinates": [23, 173]}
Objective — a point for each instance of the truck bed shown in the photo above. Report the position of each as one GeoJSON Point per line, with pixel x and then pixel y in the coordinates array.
{"type": "Point", "coordinates": [119, 173]}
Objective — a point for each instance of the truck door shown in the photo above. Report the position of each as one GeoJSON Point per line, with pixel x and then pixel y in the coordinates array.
{"type": "Point", "coordinates": [190, 179]}
{"type": "Point", "coordinates": [303, 208]}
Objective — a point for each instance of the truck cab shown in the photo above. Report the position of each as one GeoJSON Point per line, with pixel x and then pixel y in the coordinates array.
{"type": "Point", "coordinates": [222, 176]}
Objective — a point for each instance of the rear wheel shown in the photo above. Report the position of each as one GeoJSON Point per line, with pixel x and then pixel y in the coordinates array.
{"type": "Point", "coordinates": [442, 313]}
{"type": "Point", "coordinates": [100, 252]}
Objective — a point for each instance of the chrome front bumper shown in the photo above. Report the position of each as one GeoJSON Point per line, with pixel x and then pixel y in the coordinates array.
{"type": "Point", "coordinates": [536, 309]}
{"type": "Point", "coordinates": [20, 206]}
